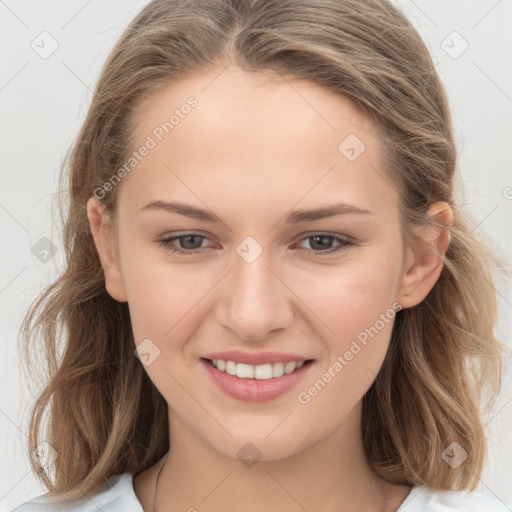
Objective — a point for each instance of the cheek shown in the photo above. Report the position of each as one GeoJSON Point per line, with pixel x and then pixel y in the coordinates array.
{"type": "Point", "coordinates": [358, 306]}
{"type": "Point", "coordinates": [164, 298]}
{"type": "Point", "coordinates": [353, 296]}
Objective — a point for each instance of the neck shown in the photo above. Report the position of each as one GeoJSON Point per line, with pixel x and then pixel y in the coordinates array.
{"type": "Point", "coordinates": [331, 475]}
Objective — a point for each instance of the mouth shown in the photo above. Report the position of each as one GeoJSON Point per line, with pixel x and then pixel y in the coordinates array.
{"type": "Point", "coordinates": [256, 383]}
{"type": "Point", "coordinates": [260, 372]}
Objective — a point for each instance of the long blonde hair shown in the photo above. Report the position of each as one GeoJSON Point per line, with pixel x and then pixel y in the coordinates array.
{"type": "Point", "coordinates": [105, 415]}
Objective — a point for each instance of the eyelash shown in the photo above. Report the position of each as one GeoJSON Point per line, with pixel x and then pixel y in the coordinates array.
{"type": "Point", "coordinates": [344, 244]}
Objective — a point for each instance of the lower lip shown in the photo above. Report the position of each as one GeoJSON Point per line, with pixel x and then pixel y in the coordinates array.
{"type": "Point", "coordinates": [255, 390]}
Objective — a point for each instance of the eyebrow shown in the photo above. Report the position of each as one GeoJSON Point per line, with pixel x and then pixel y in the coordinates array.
{"type": "Point", "coordinates": [294, 217]}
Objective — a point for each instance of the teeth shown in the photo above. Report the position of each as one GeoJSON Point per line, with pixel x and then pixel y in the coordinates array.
{"type": "Point", "coordinates": [245, 371]}
{"type": "Point", "coordinates": [277, 369]}
{"type": "Point", "coordinates": [231, 367]}
{"type": "Point", "coordinates": [261, 372]}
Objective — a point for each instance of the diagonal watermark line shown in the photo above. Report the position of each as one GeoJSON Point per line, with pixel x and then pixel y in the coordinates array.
{"type": "Point", "coordinates": [198, 301]}
{"type": "Point", "coordinates": [424, 14]}
{"type": "Point", "coordinates": [12, 488]}
{"type": "Point", "coordinates": [217, 486]}
{"type": "Point", "coordinates": [216, 76]}
{"type": "Point", "coordinates": [86, 85]}
{"type": "Point", "coordinates": [14, 423]}
{"type": "Point", "coordinates": [279, 423]}
{"type": "Point", "coordinates": [165, 165]}
{"type": "Point", "coordinates": [503, 297]}
{"type": "Point", "coordinates": [492, 81]}
{"type": "Point", "coordinates": [300, 299]}
{"type": "Point", "coordinates": [13, 279]}
{"type": "Point", "coordinates": [496, 414]}
{"type": "Point", "coordinates": [76, 14]}
{"type": "Point", "coordinates": [486, 14]}
{"type": "Point", "coordinates": [14, 14]}
{"type": "Point", "coordinates": [497, 291]}
{"type": "Point", "coordinates": [372, 372]}
{"type": "Point", "coordinates": [291, 496]}
{"type": "Point", "coordinates": [197, 401]}
{"type": "Point", "coordinates": [289, 83]}
{"type": "Point", "coordinates": [492, 491]}
{"type": "Point", "coordinates": [301, 198]}
{"type": "Point", "coordinates": [482, 221]}
{"type": "Point", "coordinates": [383, 176]}
{"type": "Point", "coordinates": [14, 76]}
{"type": "Point", "coordinates": [13, 217]}
{"type": "Point", "coordinates": [484, 425]}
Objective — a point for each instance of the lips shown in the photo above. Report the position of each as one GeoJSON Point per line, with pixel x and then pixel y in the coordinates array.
{"type": "Point", "coordinates": [256, 389]}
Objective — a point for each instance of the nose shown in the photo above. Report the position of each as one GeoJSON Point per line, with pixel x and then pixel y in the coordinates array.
{"type": "Point", "coordinates": [255, 302]}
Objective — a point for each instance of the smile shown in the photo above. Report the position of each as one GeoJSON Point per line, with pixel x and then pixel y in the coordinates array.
{"type": "Point", "coordinates": [261, 371]}
{"type": "Point", "coordinates": [256, 383]}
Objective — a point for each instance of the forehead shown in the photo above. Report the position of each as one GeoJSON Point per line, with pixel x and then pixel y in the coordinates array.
{"type": "Point", "coordinates": [228, 133]}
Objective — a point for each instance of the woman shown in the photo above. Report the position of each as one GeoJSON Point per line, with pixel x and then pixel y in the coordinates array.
{"type": "Point", "coordinates": [219, 356]}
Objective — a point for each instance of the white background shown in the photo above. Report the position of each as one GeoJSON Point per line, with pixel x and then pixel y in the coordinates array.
{"type": "Point", "coordinates": [43, 102]}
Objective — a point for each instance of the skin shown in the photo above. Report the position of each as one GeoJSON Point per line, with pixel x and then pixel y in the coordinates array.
{"type": "Point", "coordinates": [251, 163]}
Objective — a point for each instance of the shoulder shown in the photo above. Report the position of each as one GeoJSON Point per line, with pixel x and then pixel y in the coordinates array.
{"type": "Point", "coordinates": [117, 495]}
{"type": "Point", "coordinates": [423, 499]}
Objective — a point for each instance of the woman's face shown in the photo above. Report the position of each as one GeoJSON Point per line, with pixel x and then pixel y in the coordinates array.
{"type": "Point", "coordinates": [254, 155]}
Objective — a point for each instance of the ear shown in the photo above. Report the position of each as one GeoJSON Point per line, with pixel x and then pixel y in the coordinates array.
{"type": "Point", "coordinates": [423, 261]}
{"type": "Point", "coordinates": [104, 239]}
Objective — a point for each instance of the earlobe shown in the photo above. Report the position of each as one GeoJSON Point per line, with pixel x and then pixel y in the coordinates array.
{"type": "Point", "coordinates": [424, 261]}
{"type": "Point", "coordinates": [104, 242]}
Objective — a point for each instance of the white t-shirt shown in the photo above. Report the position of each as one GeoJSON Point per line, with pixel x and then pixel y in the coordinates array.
{"type": "Point", "coordinates": [118, 495]}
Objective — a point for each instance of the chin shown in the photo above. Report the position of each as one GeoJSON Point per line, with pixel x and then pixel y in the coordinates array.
{"type": "Point", "coordinates": [261, 447]}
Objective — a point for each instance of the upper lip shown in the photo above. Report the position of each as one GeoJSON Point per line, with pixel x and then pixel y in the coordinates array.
{"type": "Point", "coordinates": [255, 358]}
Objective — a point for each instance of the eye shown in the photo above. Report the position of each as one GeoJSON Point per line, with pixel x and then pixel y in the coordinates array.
{"type": "Point", "coordinates": [321, 243]}
{"type": "Point", "coordinates": [191, 243]}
